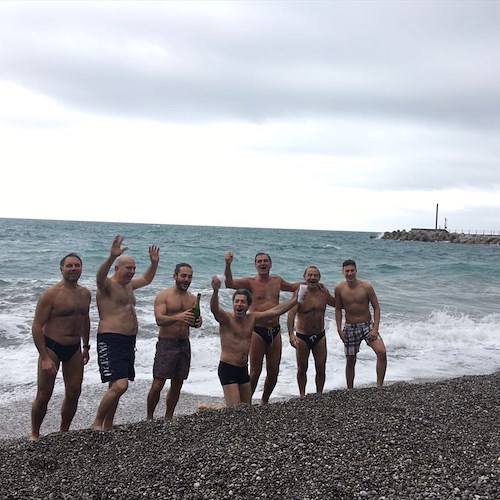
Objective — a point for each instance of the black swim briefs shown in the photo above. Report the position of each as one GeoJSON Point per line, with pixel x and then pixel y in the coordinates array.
{"type": "Point", "coordinates": [311, 340]}
{"type": "Point", "coordinates": [268, 333]}
{"type": "Point", "coordinates": [231, 374]}
{"type": "Point", "coordinates": [63, 352]}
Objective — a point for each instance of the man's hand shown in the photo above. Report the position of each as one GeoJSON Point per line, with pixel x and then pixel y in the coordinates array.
{"type": "Point", "coordinates": [215, 282]}
{"type": "Point", "coordinates": [48, 366]}
{"type": "Point", "coordinates": [85, 356]}
{"type": "Point", "coordinates": [116, 248]}
{"type": "Point", "coordinates": [343, 336]}
{"type": "Point", "coordinates": [228, 257]}
{"type": "Point", "coordinates": [154, 254]}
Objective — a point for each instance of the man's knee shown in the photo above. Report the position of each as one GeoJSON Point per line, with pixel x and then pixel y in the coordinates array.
{"type": "Point", "coordinates": [119, 386]}
{"type": "Point", "coordinates": [42, 397]}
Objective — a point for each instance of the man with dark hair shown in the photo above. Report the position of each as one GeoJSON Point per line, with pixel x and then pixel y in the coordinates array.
{"type": "Point", "coordinates": [354, 297]}
{"type": "Point", "coordinates": [174, 316]}
{"type": "Point", "coordinates": [118, 327]}
{"type": "Point", "coordinates": [236, 330]}
{"type": "Point", "coordinates": [61, 323]}
{"type": "Point", "coordinates": [310, 329]}
{"type": "Point", "coordinates": [266, 339]}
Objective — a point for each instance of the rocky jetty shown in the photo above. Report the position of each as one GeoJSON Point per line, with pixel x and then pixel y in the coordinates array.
{"type": "Point", "coordinates": [441, 235]}
{"type": "Point", "coordinates": [407, 441]}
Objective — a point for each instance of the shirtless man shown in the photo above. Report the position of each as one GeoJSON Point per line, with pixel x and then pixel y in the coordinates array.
{"type": "Point", "coordinates": [355, 297]}
{"type": "Point", "coordinates": [173, 351]}
{"type": "Point", "coordinates": [310, 327]}
{"type": "Point", "coordinates": [236, 330]}
{"type": "Point", "coordinates": [266, 339]}
{"type": "Point", "coordinates": [117, 330]}
{"type": "Point", "coordinates": [61, 322]}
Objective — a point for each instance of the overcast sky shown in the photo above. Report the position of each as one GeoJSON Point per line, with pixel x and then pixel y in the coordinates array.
{"type": "Point", "coordinates": [323, 115]}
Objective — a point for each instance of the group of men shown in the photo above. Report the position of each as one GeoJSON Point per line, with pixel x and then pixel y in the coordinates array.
{"type": "Point", "coordinates": [250, 332]}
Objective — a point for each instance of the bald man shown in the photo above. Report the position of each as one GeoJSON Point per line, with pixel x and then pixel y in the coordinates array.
{"type": "Point", "coordinates": [118, 327]}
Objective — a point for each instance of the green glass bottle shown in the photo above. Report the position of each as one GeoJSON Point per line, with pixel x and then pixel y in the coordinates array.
{"type": "Point", "coordinates": [196, 309]}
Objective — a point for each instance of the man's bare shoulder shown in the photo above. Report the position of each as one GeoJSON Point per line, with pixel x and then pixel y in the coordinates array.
{"type": "Point", "coordinates": [166, 293]}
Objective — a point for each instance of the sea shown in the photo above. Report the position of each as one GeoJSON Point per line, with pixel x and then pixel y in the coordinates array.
{"type": "Point", "coordinates": [440, 302]}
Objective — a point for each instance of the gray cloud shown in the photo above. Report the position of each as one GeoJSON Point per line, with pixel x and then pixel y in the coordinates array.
{"type": "Point", "coordinates": [257, 61]}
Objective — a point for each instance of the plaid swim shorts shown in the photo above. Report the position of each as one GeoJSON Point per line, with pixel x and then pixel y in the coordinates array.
{"type": "Point", "coordinates": [356, 332]}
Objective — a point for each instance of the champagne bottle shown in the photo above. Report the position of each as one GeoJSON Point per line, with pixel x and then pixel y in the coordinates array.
{"type": "Point", "coordinates": [196, 309]}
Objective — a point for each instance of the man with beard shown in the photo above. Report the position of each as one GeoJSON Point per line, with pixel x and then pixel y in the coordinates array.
{"type": "Point", "coordinates": [236, 330]}
{"type": "Point", "coordinates": [266, 339]}
{"type": "Point", "coordinates": [174, 316]}
{"type": "Point", "coordinates": [118, 327]}
{"type": "Point", "coordinates": [61, 322]}
{"type": "Point", "coordinates": [310, 329]}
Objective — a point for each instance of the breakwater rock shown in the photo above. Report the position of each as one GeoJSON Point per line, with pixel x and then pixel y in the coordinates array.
{"type": "Point", "coordinates": [441, 235]}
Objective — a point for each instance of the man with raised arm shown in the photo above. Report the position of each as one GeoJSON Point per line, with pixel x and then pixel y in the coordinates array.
{"type": "Point", "coordinates": [266, 339]}
{"type": "Point", "coordinates": [310, 329]}
{"type": "Point", "coordinates": [354, 297]}
{"type": "Point", "coordinates": [61, 323]}
{"type": "Point", "coordinates": [236, 330]}
{"type": "Point", "coordinates": [174, 316]}
{"type": "Point", "coordinates": [118, 327]}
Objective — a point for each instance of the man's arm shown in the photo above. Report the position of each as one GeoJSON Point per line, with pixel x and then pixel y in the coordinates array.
{"type": "Point", "coordinates": [231, 282]}
{"type": "Point", "coordinates": [115, 251]}
{"type": "Point", "coordinates": [42, 313]}
{"type": "Point", "coordinates": [220, 315]}
{"type": "Point", "coordinates": [338, 313]}
{"type": "Point", "coordinates": [330, 299]}
{"type": "Point", "coordinates": [149, 273]}
{"type": "Point", "coordinates": [276, 310]}
{"type": "Point", "coordinates": [164, 319]}
{"type": "Point", "coordinates": [286, 286]}
{"type": "Point", "coordinates": [372, 297]}
{"type": "Point", "coordinates": [86, 330]}
{"type": "Point", "coordinates": [290, 323]}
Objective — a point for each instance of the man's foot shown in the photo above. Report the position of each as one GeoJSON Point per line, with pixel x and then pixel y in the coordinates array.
{"type": "Point", "coordinates": [209, 406]}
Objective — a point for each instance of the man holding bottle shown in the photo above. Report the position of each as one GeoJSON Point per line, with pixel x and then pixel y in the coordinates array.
{"type": "Point", "coordinates": [176, 310]}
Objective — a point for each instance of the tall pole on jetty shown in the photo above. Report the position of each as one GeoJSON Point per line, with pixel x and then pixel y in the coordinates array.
{"type": "Point", "coordinates": [437, 206]}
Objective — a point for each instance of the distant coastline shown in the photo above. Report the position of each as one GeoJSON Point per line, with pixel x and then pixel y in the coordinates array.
{"type": "Point", "coordinates": [441, 235]}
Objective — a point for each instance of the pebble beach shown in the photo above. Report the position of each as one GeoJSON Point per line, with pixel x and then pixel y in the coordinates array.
{"type": "Point", "coordinates": [436, 440]}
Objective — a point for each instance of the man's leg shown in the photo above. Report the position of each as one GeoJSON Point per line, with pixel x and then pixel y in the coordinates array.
{"type": "Point", "coordinates": [273, 359]}
{"type": "Point", "coordinates": [232, 394]}
{"type": "Point", "coordinates": [302, 354]}
{"type": "Point", "coordinates": [154, 396]}
{"type": "Point", "coordinates": [173, 396]}
{"type": "Point", "coordinates": [246, 393]}
{"type": "Point", "coordinates": [257, 351]}
{"type": "Point", "coordinates": [45, 387]}
{"type": "Point", "coordinates": [349, 370]}
{"type": "Point", "coordinates": [73, 375]}
{"type": "Point", "coordinates": [319, 354]}
{"type": "Point", "coordinates": [379, 347]}
{"type": "Point", "coordinates": [109, 404]}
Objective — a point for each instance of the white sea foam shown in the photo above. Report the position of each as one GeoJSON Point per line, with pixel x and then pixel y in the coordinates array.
{"type": "Point", "coordinates": [443, 346]}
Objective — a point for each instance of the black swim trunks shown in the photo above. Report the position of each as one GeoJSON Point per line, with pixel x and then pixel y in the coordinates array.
{"type": "Point", "coordinates": [231, 374]}
{"type": "Point", "coordinates": [311, 340]}
{"type": "Point", "coordinates": [63, 352]}
{"type": "Point", "coordinates": [116, 356]}
{"type": "Point", "coordinates": [268, 333]}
